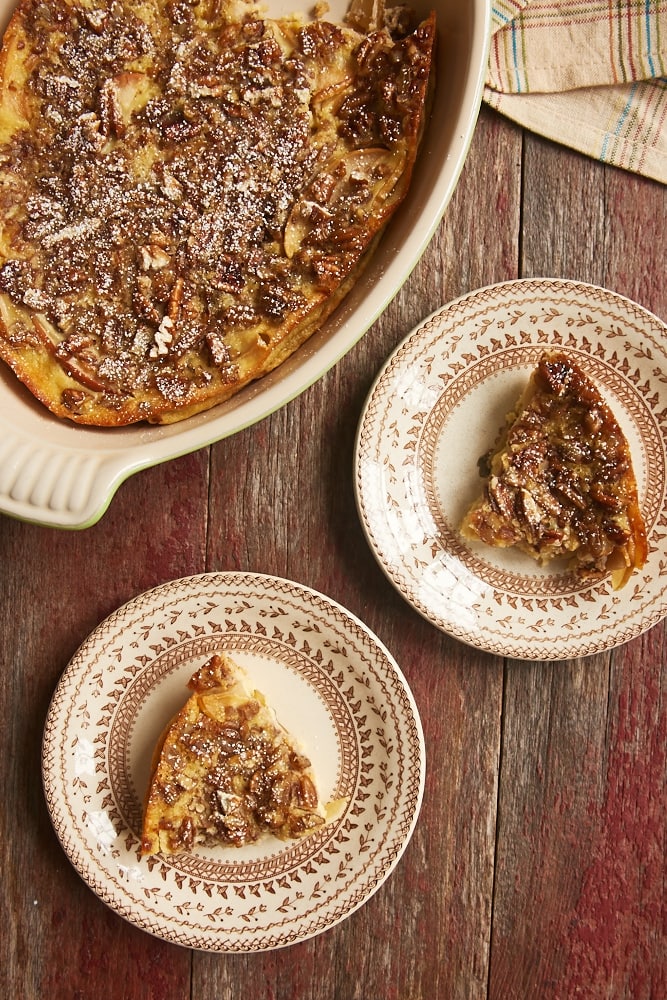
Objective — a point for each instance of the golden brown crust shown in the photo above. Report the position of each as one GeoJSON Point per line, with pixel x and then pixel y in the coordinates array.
{"type": "Point", "coordinates": [225, 773]}
{"type": "Point", "coordinates": [561, 481]}
{"type": "Point", "coordinates": [184, 198]}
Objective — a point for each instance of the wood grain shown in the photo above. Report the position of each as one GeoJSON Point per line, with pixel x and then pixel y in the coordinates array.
{"type": "Point", "coordinates": [55, 587]}
{"type": "Point", "coordinates": [537, 865]}
{"type": "Point", "coordinates": [566, 784]}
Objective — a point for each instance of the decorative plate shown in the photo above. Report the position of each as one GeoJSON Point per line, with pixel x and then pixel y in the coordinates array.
{"type": "Point", "coordinates": [56, 473]}
{"type": "Point", "coordinates": [332, 684]}
{"type": "Point", "coordinates": [436, 409]}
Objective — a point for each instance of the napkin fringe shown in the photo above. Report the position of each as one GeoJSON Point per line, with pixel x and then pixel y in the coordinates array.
{"type": "Point", "coordinates": [626, 129]}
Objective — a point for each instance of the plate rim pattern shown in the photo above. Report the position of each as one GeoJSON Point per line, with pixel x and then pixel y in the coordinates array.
{"type": "Point", "coordinates": [449, 344]}
{"type": "Point", "coordinates": [248, 900]}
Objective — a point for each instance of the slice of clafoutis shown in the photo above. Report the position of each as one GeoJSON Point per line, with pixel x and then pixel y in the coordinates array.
{"type": "Point", "coordinates": [226, 773]}
{"type": "Point", "coordinates": [561, 484]}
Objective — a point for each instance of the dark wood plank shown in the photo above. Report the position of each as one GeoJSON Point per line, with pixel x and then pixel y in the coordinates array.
{"type": "Point", "coordinates": [615, 940]}
{"type": "Point", "coordinates": [590, 223]}
{"type": "Point", "coordinates": [59, 940]}
{"type": "Point", "coordinates": [582, 785]}
{"type": "Point", "coordinates": [582, 789]}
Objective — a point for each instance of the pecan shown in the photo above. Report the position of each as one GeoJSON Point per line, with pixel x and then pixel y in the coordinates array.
{"type": "Point", "coordinates": [500, 497]}
{"type": "Point", "coordinates": [16, 276]}
{"type": "Point", "coordinates": [186, 833]}
{"type": "Point", "coordinates": [153, 257]}
{"type": "Point", "coordinates": [328, 269]}
{"type": "Point", "coordinates": [142, 300]}
{"type": "Point", "coordinates": [615, 532]}
{"type": "Point", "coordinates": [219, 351]}
{"type": "Point", "coordinates": [262, 53]}
{"type": "Point", "coordinates": [80, 371]}
{"type": "Point", "coordinates": [569, 488]}
{"type": "Point", "coordinates": [229, 276]}
{"type": "Point", "coordinates": [319, 39]}
{"type": "Point", "coordinates": [175, 300]}
{"type": "Point", "coordinates": [95, 19]}
{"type": "Point", "coordinates": [605, 498]}
{"type": "Point", "coordinates": [188, 336]}
{"type": "Point", "coordinates": [72, 399]}
{"type": "Point", "coordinates": [304, 215]}
{"type": "Point", "coordinates": [369, 49]}
{"type": "Point", "coordinates": [111, 115]}
{"type": "Point", "coordinates": [275, 301]}
{"type": "Point", "coordinates": [162, 282]}
{"type": "Point", "coordinates": [304, 793]}
{"type": "Point", "coordinates": [253, 30]}
{"type": "Point", "coordinates": [163, 338]}
{"type": "Point", "coordinates": [323, 186]}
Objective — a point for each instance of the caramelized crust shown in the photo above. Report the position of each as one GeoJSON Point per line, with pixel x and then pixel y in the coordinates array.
{"type": "Point", "coordinates": [561, 482]}
{"type": "Point", "coordinates": [187, 191]}
{"type": "Point", "coordinates": [225, 772]}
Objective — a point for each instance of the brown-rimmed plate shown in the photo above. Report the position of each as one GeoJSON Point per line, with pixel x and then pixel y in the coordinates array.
{"type": "Point", "coordinates": [333, 685]}
{"type": "Point", "coordinates": [436, 408]}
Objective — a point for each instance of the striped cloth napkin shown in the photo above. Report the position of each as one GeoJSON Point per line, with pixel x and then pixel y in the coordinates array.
{"type": "Point", "coordinates": [591, 75]}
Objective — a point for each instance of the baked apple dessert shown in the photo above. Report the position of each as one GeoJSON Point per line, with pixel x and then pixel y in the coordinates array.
{"type": "Point", "coordinates": [561, 481]}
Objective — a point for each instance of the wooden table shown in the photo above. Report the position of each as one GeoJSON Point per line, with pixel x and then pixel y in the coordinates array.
{"type": "Point", "coordinates": [537, 866]}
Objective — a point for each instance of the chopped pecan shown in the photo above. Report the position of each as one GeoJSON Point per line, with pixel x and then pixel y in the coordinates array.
{"type": "Point", "coordinates": [73, 399]}
{"type": "Point", "coordinates": [175, 300]}
{"type": "Point", "coordinates": [163, 338]}
{"type": "Point", "coordinates": [142, 300]}
{"type": "Point", "coordinates": [219, 351]}
{"type": "Point", "coordinates": [304, 793]}
{"type": "Point", "coordinates": [153, 257]}
{"type": "Point", "coordinates": [501, 498]}
{"type": "Point", "coordinates": [186, 833]}
{"type": "Point", "coordinates": [606, 498]}
{"type": "Point", "coordinates": [319, 39]}
{"type": "Point", "coordinates": [111, 115]}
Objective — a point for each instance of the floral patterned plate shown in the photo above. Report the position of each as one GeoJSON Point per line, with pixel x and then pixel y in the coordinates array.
{"type": "Point", "coordinates": [332, 684]}
{"type": "Point", "coordinates": [436, 409]}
